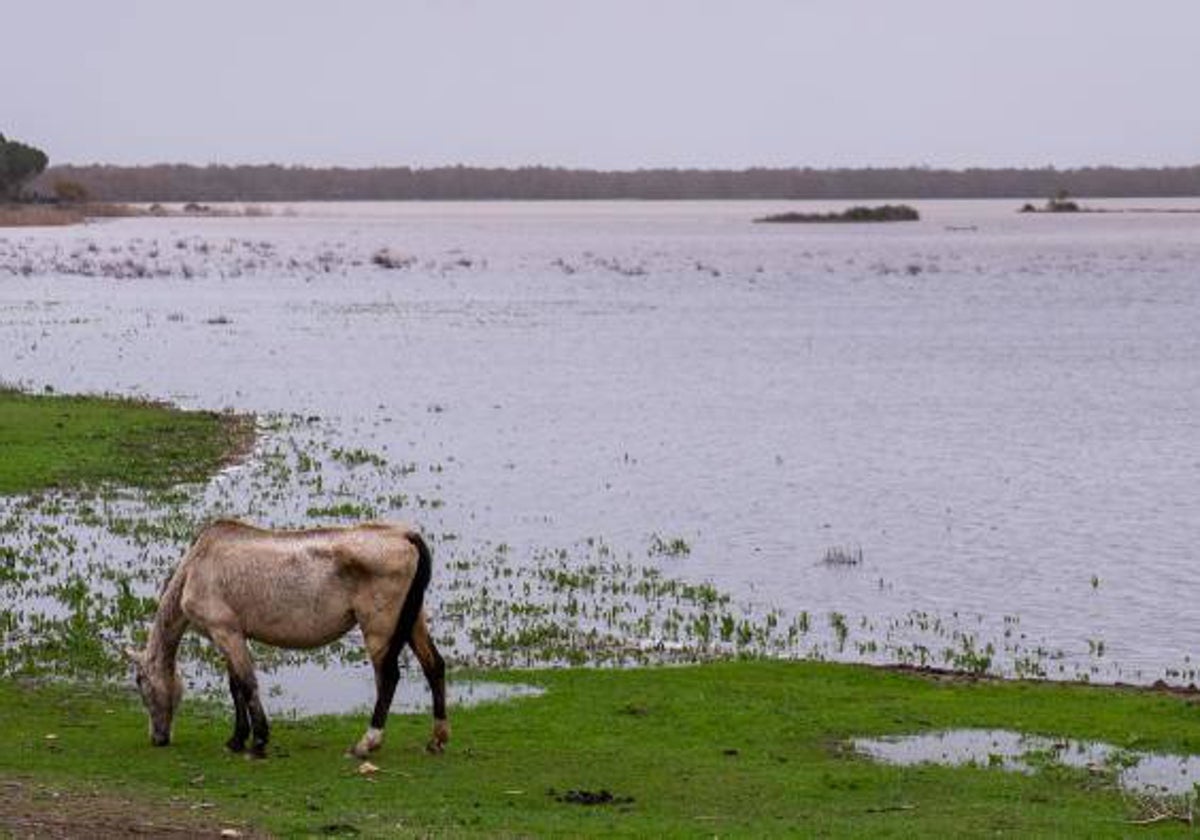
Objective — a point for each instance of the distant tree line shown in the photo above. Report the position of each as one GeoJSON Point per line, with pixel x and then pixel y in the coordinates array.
{"type": "Point", "coordinates": [181, 183]}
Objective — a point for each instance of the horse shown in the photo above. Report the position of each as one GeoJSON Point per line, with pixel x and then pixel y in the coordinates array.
{"type": "Point", "coordinates": [293, 589]}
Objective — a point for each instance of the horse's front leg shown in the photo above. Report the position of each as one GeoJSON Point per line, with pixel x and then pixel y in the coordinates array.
{"type": "Point", "coordinates": [243, 682]}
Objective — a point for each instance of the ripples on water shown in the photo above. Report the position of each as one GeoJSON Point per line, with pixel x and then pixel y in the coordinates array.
{"type": "Point", "coordinates": [1002, 419]}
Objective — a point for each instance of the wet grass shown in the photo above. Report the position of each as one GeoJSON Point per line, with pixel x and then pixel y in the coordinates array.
{"type": "Point", "coordinates": [65, 442]}
{"type": "Point", "coordinates": [747, 748]}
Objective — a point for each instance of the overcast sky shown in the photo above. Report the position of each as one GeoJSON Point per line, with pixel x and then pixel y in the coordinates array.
{"type": "Point", "coordinates": [606, 84]}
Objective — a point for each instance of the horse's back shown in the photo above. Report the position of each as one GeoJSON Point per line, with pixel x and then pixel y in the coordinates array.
{"type": "Point", "coordinates": [321, 555]}
{"type": "Point", "coordinates": [295, 588]}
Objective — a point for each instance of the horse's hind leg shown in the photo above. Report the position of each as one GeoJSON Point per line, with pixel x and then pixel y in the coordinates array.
{"type": "Point", "coordinates": [385, 657]}
{"type": "Point", "coordinates": [241, 715]}
{"type": "Point", "coordinates": [243, 682]}
{"type": "Point", "coordinates": [435, 674]}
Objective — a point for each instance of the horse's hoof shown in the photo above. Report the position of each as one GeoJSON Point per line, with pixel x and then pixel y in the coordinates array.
{"type": "Point", "coordinates": [358, 751]}
{"type": "Point", "coordinates": [435, 747]}
{"type": "Point", "coordinates": [257, 752]}
{"type": "Point", "coordinates": [235, 746]}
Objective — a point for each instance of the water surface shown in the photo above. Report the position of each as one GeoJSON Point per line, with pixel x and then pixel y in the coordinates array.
{"type": "Point", "coordinates": [999, 410]}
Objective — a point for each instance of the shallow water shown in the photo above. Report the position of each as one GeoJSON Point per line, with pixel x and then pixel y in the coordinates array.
{"type": "Point", "coordinates": [1003, 417]}
{"type": "Point", "coordinates": [1016, 751]}
{"type": "Point", "coordinates": [290, 691]}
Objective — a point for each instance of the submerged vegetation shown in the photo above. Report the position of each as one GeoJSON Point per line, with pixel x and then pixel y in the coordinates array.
{"type": "Point", "coordinates": [79, 572]}
{"type": "Point", "coordinates": [882, 213]}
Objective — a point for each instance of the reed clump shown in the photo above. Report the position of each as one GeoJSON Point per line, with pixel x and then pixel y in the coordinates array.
{"type": "Point", "coordinates": [38, 215]}
{"type": "Point", "coordinates": [843, 555]}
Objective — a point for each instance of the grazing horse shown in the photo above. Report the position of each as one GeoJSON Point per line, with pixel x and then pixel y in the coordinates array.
{"type": "Point", "coordinates": [293, 589]}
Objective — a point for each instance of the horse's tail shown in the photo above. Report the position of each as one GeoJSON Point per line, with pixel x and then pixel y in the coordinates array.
{"type": "Point", "coordinates": [414, 599]}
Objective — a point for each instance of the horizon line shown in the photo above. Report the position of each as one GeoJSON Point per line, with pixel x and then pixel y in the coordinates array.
{"type": "Point", "coordinates": [1048, 167]}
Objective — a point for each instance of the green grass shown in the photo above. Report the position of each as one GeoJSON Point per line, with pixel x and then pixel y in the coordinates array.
{"type": "Point", "coordinates": [664, 736]}
{"type": "Point", "coordinates": [49, 441]}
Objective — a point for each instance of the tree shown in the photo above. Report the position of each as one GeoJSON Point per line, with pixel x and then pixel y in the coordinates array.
{"type": "Point", "coordinates": [19, 164]}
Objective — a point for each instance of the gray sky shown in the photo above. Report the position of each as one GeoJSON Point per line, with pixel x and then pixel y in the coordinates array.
{"type": "Point", "coordinates": [607, 84]}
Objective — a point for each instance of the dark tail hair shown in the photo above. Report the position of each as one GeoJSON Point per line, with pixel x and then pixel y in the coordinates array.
{"type": "Point", "coordinates": [414, 600]}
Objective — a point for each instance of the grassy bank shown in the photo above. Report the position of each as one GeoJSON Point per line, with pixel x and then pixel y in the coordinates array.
{"type": "Point", "coordinates": [737, 748]}
{"type": "Point", "coordinates": [51, 441]}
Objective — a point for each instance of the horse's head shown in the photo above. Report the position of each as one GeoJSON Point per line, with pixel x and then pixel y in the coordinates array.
{"type": "Point", "coordinates": [161, 689]}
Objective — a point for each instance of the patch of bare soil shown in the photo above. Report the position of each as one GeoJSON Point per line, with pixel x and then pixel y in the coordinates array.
{"type": "Point", "coordinates": [37, 809]}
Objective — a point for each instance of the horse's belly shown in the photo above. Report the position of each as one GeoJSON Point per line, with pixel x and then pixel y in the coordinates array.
{"type": "Point", "coordinates": [313, 631]}
{"type": "Point", "coordinates": [299, 613]}
{"type": "Point", "coordinates": [278, 594]}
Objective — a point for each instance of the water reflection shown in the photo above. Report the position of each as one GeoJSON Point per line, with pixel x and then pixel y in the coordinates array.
{"type": "Point", "coordinates": [1020, 752]}
{"type": "Point", "coordinates": [313, 689]}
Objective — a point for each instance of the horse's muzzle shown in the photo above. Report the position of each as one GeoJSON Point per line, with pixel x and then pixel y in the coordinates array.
{"type": "Point", "coordinates": [160, 740]}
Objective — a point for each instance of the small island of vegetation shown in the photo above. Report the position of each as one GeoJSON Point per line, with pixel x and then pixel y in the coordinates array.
{"type": "Point", "coordinates": [1060, 203]}
{"type": "Point", "coordinates": [882, 213]}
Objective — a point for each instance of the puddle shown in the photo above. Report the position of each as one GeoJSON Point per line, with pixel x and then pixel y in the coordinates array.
{"type": "Point", "coordinates": [312, 689]}
{"type": "Point", "coordinates": [1015, 751]}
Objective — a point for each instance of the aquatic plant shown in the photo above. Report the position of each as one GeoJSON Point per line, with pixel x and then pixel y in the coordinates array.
{"type": "Point", "coordinates": [842, 556]}
{"type": "Point", "coordinates": [670, 547]}
{"type": "Point", "coordinates": [882, 213]}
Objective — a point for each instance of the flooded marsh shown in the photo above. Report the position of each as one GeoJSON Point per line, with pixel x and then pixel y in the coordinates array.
{"type": "Point", "coordinates": [645, 433]}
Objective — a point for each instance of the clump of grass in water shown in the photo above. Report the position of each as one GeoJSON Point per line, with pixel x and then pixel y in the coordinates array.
{"type": "Point", "coordinates": [841, 630]}
{"type": "Point", "coordinates": [345, 510]}
{"type": "Point", "coordinates": [843, 556]}
{"type": "Point", "coordinates": [969, 658]}
{"type": "Point", "coordinates": [357, 457]}
{"type": "Point", "coordinates": [671, 547]}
